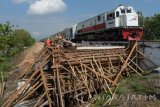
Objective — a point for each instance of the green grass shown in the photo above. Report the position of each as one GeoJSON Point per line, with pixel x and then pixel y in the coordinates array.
{"type": "Point", "coordinates": [4, 68]}
{"type": "Point", "coordinates": [2, 59]}
{"type": "Point", "coordinates": [134, 84]}
{"type": "Point", "coordinates": [141, 88]}
{"type": "Point", "coordinates": [6, 61]}
{"type": "Point", "coordinates": [1, 102]}
{"type": "Point", "coordinates": [155, 77]}
{"type": "Point", "coordinates": [120, 90]}
{"type": "Point", "coordinates": [99, 102]}
{"type": "Point", "coordinates": [139, 84]}
{"type": "Point", "coordinates": [15, 51]}
{"type": "Point", "coordinates": [103, 97]}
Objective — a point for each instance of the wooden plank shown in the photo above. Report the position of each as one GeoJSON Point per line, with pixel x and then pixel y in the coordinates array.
{"type": "Point", "coordinates": [124, 64]}
{"type": "Point", "coordinates": [45, 85]}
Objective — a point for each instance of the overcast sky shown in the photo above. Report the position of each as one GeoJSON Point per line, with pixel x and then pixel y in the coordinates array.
{"type": "Point", "coordinates": [45, 17]}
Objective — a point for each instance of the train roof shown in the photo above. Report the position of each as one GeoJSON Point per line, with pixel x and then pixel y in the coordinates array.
{"type": "Point", "coordinates": [105, 12]}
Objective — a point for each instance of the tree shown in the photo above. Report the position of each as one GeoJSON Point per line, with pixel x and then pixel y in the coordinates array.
{"type": "Point", "coordinates": [21, 37]}
{"type": "Point", "coordinates": [4, 43]}
{"type": "Point", "coordinates": [6, 29]}
{"type": "Point", "coordinates": [13, 39]}
{"type": "Point", "coordinates": [141, 18]}
{"type": "Point", "coordinates": [5, 33]}
{"type": "Point", "coordinates": [152, 27]}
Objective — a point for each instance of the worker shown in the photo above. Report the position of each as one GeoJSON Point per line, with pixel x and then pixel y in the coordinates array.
{"type": "Point", "coordinates": [60, 39]}
{"type": "Point", "coordinates": [65, 45]}
{"type": "Point", "coordinates": [48, 42]}
{"type": "Point", "coordinates": [54, 42]}
{"type": "Point", "coordinates": [59, 42]}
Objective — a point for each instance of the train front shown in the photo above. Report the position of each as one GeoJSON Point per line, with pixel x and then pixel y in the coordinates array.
{"type": "Point", "coordinates": [128, 20]}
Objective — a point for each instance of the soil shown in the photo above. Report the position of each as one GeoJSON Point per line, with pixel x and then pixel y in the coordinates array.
{"type": "Point", "coordinates": [19, 62]}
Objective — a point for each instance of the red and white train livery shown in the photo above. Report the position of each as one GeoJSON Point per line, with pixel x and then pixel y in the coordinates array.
{"type": "Point", "coordinates": [118, 24]}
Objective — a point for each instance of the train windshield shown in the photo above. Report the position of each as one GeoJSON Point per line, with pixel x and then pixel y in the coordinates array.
{"type": "Point", "coordinates": [122, 10]}
{"type": "Point", "coordinates": [129, 11]}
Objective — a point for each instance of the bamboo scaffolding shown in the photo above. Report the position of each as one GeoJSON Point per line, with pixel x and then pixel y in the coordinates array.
{"type": "Point", "coordinates": [64, 78]}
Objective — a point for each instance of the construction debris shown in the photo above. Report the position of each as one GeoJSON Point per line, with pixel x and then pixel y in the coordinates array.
{"type": "Point", "coordinates": [68, 77]}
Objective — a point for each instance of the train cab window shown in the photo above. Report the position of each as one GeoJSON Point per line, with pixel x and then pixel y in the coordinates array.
{"type": "Point", "coordinates": [110, 16]}
{"type": "Point", "coordinates": [99, 18]}
{"type": "Point", "coordinates": [117, 13]}
{"type": "Point", "coordinates": [83, 26]}
{"type": "Point", "coordinates": [122, 10]}
{"type": "Point", "coordinates": [129, 11]}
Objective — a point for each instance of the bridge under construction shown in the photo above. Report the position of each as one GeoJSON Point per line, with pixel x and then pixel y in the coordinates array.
{"type": "Point", "coordinates": [74, 77]}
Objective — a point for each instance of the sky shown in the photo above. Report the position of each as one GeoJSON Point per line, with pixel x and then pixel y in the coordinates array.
{"type": "Point", "coordinates": [43, 18]}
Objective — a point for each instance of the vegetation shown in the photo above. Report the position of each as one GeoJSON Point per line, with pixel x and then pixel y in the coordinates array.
{"type": "Point", "coordinates": [138, 84]}
{"type": "Point", "coordinates": [151, 26]}
{"type": "Point", "coordinates": [103, 96]}
{"type": "Point", "coordinates": [12, 41]}
{"type": "Point", "coordinates": [134, 85]}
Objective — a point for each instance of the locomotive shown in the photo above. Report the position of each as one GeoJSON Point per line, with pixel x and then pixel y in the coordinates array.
{"type": "Point", "coordinates": [119, 24]}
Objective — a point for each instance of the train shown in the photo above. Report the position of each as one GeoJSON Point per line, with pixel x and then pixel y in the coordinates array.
{"type": "Point", "coordinates": [119, 24]}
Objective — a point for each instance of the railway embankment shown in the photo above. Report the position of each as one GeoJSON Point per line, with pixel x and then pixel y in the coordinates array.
{"type": "Point", "coordinates": [152, 50]}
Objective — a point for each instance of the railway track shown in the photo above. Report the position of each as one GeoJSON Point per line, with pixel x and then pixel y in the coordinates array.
{"type": "Point", "coordinates": [121, 43]}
